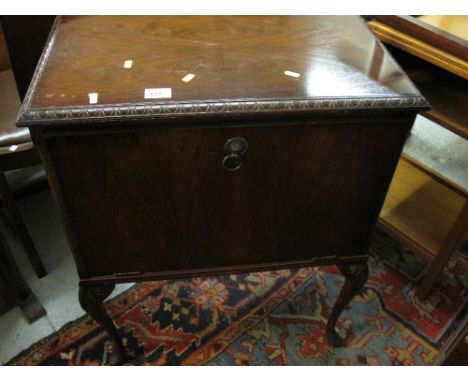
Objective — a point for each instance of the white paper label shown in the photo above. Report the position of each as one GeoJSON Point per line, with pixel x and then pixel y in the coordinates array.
{"type": "Point", "coordinates": [13, 148]}
{"type": "Point", "coordinates": [292, 74]}
{"type": "Point", "coordinates": [128, 64]}
{"type": "Point", "coordinates": [189, 77]}
{"type": "Point", "coordinates": [158, 93]}
{"type": "Point", "coordinates": [93, 97]}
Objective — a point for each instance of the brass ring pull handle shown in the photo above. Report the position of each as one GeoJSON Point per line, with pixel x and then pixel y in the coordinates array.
{"type": "Point", "coordinates": [234, 148]}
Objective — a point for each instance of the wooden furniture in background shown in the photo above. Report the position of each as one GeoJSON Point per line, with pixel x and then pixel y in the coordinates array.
{"type": "Point", "coordinates": [25, 38]}
{"type": "Point", "coordinates": [16, 151]}
{"type": "Point", "coordinates": [423, 209]}
{"type": "Point", "coordinates": [427, 213]}
{"type": "Point", "coordinates": [446, 49]}
{"type": "Point", "coordinates": [4, 57]}
{"type": "Point", "coordinates": [22, 41]}
{"type": "Point", "coordinates": [16, 288]}
{"type": "Point", "coordinates": [189, 146]}
{"type": "Point", "coordinates": [455, 352]}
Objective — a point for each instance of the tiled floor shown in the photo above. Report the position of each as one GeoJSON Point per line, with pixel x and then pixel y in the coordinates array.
{"type": "Point", "coordinates": [58, 291]}
{"type": "Point", "coordinates": [439, 149]}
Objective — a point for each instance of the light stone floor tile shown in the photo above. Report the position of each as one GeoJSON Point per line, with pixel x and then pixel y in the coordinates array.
{"type": "Point", "coordinates": [17, 334]}
{"type": "Point", "coordinates": [439, 149]}
{"type": "Point", "coordinates": [58, 291]}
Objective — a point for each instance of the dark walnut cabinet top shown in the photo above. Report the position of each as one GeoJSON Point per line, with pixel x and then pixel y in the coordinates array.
{"type": "Point", "coordinates": [121, 68]}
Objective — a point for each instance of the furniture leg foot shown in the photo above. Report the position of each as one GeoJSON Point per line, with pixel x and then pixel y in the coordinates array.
{"type": "Point", "coordinates": [356, 276]}
{"type": "Point", "coordinates": [91, 300]}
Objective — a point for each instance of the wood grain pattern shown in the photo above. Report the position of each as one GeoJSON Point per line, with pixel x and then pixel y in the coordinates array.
{"type": "Point", "coordinates": [422, 29]}
{"type": "Point", "coordinates": [4, 57]}
{"type": "Point", "coordinates": [335, 58]}
{"type": "Point", "coordinates": [446, 251]}
{"type": "Point", "coordinates": [433, 59]}
{"type": "Point", "coordinates": [222, 52]}
{"type": "Point", "coordinates": [406, 210]}
{"type": "Point", "coordinates": [25, 37]}
{"type": "Point", "coordinates": [175, 207]}
{"type": "Point", "coordinates": [445, 91]}
{"type": "Point", "coordinates": [140, 183]}
{"type": "Point", "coordinates": [419, 48]}
{"type": "Point", "coordinates": [456, 25]}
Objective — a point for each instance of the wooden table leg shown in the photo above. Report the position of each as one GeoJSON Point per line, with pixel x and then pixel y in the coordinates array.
{"type": "Point", "coordinates": [91, 300]}
{"type": "Point", "coordinates": [19, 226]}
{"type": "Point", "coordinates": [444, 254]}
{"type": "Point", "coordinates": [356, 276]}
{"type": "Point", "coordinates": [23, 296]}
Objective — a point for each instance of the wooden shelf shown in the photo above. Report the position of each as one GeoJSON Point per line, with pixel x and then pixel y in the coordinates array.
{"type": "Point", "coordinates": [455, 25]}
{"type": "Point", "coordinates": [423, 210]}
{"type": "Point", "coordinates": [434, 71]}
{"type": "Point", "coordinates": [419, 209]}
{"type": "Point", "coordinates": [436, 54]}
{"type": "Point", "coordinates": [445, 92]}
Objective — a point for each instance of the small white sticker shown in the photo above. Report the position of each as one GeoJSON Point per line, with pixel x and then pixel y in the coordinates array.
{"type": "Point", "coordinates": [128, 64]}
{"type": "Point", "coordinates": [93, 97]}
{"type": "Point", "coordinates": [189, 77]}
{"type": "Point", "coordinates": [292, 74]}
{"type": "Point", "coordinates": [158, 93]}
{"type": "Point", "coordinates": [13, 148]}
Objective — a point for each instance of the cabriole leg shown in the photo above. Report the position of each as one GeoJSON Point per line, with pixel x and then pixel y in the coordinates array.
{"type": "Point", "coordinates": [91, 300]}
{"type": "Point", "coordinates": [356, 276]}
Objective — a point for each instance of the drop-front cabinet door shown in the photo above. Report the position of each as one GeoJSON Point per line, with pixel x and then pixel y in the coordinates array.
{"type": "Point", "coordinates": [158, 198]}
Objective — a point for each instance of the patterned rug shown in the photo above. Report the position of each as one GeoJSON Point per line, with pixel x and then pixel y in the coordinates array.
{"type": "Point", "coordinates": [274, 318]}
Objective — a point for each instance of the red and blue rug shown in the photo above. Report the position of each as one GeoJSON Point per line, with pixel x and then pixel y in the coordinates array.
{"type": "Point", "coordinates": [274, 318]}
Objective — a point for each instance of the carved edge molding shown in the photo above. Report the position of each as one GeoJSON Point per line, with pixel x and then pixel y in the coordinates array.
{"type": "Point", "coordinates": [30, 117]}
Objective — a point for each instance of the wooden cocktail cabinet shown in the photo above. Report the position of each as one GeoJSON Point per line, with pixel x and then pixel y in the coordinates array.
{"type": "Point", "coordinates": [182, 146]}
